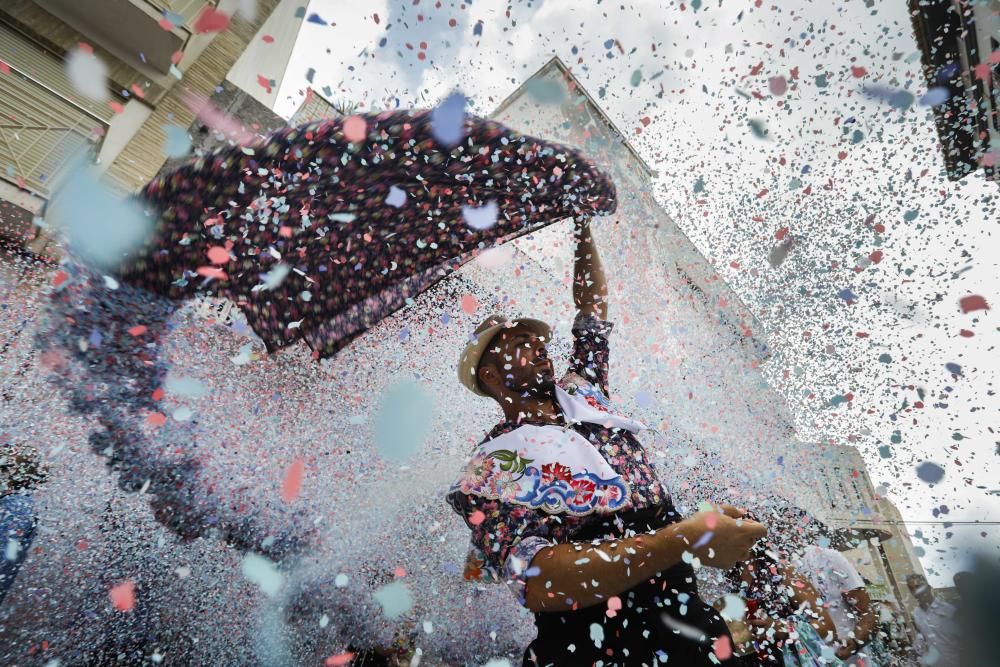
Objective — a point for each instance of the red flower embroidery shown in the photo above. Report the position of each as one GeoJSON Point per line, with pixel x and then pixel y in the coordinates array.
{"type": "Point", "coordinates": [594, 404]}
{"type": "Point", "coordinates": [552, 472]}
{"type": "Point", "coordinates": [584, 490]}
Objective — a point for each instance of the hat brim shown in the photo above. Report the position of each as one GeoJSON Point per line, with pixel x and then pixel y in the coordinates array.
{"type": "Point", "coordinates": [468, 363]}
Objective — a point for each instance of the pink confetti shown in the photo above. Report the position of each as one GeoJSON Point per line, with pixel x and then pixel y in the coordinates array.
{"type": "Point", "coordinates": [722, 648]}
{"type": "Point", "coordinates": [4, 67]}
{"type": "Point", "coordinates": [60, 278]}
{"type": "Point", "coordinates": [211, 20]}
{"type": "Point", "coordinates": [469, 304]}
{"type": "Point", "coordinates": [973, 302]}
{"type": "Point", "coordinates": [477, 518]}
{"type": "Point", "coordinates": [116, 107]}
{"type": "Point", "coordinates": [215, 119]}
{"type": "Point", "coordinates": [267, 39]}
{"type": "Point", "coordinates": [156, 419]}
{"type": "Point", "coordinates": [400, 572]}
{"type": "Point", "coordinates": [777, 85]}
{"type": "Point", "coordinates": [218, 255]}
{"type": "Point", "coordinates": [614, 606]}
{"type": "Point", "coordinates": [211, 272]}
{"type": "Point", "coordinates": [858, 72]}
{"type": "Point", "coordinates": [292, 483]}
{"type": "Point", "coordinates": [711, 521]}
{"type": "Point", "coordinates": [176, 57]}
{"type": "Point", "coordinates": [137, 330]}
{"type": "Point", "coordinates": [355, 129]}
{"type": "Point", "coordinates": [123, 596]}
{"type": "Point", "coordinates": [337, 660]}
{"type": "Point", "coordinates": [264, 82]}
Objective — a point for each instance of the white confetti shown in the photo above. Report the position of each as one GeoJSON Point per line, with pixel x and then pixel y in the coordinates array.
{"type": "Point", "coordinates": [87, 74]}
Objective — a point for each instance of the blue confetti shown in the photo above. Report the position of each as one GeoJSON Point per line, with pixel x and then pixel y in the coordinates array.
{"type": "Point", "coordinates": [477, 29]}
{"type": "Point", "coordinates": [178, 142]}
{"type": "Point", "coordinates": [316, 18]}
{"type": "Point", "coordinates": [935, 96]}
{"type": "Point", "coordinates": [847, 295]}
{"type": "Point", "coordinates": [396, 197]}
{"type": "Point", "coordinates": [930, 472]}
{"type": "Point", "coordinates": [643, 399]}
{"type": "Point", "coordinates": [403, 421]}
{"type": "Point", "coordinates": [448, 120]}
{"type": "Point", "coordinates": [395, 599]}
{"type": "Point", "coordinates": [953, 368]}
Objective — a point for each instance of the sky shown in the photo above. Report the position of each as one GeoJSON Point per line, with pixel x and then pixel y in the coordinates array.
{"type": "Point", "coordinates": [763, 122]}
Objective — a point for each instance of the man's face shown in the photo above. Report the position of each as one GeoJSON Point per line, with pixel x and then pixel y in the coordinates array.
{"type": "Point", "coordinates": [522, 362]}
{"type": "Point", "coordinates": [919, 588]}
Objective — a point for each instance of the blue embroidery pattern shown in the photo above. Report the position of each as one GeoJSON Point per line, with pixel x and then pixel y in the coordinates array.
{"type": "Point", "coordinates": [552, 487]}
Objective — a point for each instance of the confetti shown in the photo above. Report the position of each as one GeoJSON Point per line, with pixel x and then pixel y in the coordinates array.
{"type": "Point", "coordinates": [123, 596]}
{"type": "Point", "coordinates": [355, 129]}
{"type": "Point", "coordinates": [264, 573]}
{"type": "Point", "coordinates": [395, 599]}
{"type": "Point", "coordinates": [448, 120]}
{"type": "Point", "coordinates": [292, 483]}
{"type": "Point", "coordinates": [210, 20]}
{"type": "Point", "coordinates": [403, 421]}
{"type": "Point", "coordinates": [480, 218]}
{"type": "Point", "coordinates": [87, 74]}
{"type": "Point", "coordinates": [178, 141]}
{"type": "Point", "coordinates": [972, 303]}
{"type": "Point", "coordinates": [930, 472]}
{"type": "Point", "coordinates": [396, 197]}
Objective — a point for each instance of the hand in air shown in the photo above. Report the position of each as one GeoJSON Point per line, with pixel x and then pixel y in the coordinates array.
{"type": "Point", "coordinates": [721, 537]}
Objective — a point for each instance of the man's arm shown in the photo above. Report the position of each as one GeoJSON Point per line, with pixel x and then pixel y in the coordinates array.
{"type": "Point", "coordinates": [864, 627]}
{"type": "Point", "coordinates": [578, 575]}
{"type": "Point", "coordinates": [805, 595]}
{"type": "Point", "coordinates": [590, 288]}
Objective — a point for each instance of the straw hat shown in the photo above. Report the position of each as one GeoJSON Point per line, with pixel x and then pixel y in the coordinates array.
{"type": "Point", "coordinates": [468, 364]}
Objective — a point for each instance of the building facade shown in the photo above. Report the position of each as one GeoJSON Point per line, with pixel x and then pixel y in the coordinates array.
{"type": "Point", "coordinates": [870, 523]}
{"type": "Point", "coordinates": [960, 52]}
{"type": "Point", "coordinates": [148, 48]}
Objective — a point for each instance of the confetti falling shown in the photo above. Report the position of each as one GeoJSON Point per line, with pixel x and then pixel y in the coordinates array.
{"type": "Point", "coordinates": [884, 296]}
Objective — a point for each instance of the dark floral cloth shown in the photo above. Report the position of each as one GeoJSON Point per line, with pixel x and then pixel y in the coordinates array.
{"type": "Point", "coordinates": [510, 535]}
{"type": "Point", "coordinates": [316, 237]}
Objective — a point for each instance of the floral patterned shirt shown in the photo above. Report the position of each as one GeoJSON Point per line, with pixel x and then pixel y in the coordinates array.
{"type": "Point", "coordinates": [507, 536]}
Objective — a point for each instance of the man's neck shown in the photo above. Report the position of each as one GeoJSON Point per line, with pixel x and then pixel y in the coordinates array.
{"type": "Point", "coordinates": [532, 408]}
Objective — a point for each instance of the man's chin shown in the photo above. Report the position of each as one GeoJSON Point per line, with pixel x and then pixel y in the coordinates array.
{"type": "Point", "coordinates": [543, 387]}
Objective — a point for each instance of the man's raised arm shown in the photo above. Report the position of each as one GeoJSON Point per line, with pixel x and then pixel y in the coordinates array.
{"type": "Point", "coordinates": [590, 288]}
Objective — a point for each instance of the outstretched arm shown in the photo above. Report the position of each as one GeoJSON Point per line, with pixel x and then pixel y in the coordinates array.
{"type": "Point", "coordinates": [864, 627]}
{"type": "Point", "coordinates": [590, 288]}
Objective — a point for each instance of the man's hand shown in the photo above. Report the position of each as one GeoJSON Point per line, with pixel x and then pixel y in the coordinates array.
{"type": "Point", "coordinates": [848, 648]}
{"type": "Point", "coordinates": [763, 627]}
{"type": "Point", "coordinates": [721, 537]}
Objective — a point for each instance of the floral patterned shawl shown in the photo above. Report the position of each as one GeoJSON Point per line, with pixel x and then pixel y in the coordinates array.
{"type": "Point", "coordinates": [317, 237]}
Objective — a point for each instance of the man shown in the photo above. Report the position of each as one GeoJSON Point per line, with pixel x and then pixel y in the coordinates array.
{"type": "Point", "coordinates": [937, 640]}
{"type": "Point", "coordinates": [842, 590]}
{"type": "Point", "coordinates": [565, 506]}
{"type": "Point", "coordinates": [20, 472]}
